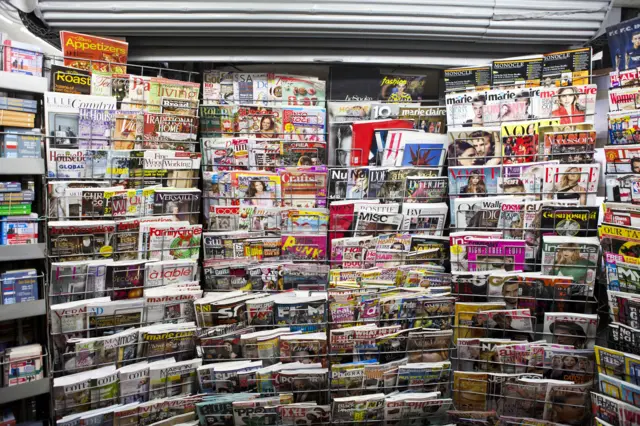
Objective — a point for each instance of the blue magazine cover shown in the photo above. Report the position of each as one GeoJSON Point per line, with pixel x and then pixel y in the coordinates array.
{"type": "Point", "coordinates": [624, 44]}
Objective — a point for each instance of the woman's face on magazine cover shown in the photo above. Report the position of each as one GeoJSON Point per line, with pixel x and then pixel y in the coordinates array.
{"type": "Point", "coordinates": [565, 255]}
{"type": "Point", "coordinates": [258, 186]}
{"type": "Point", "coordinates": [266, 123]}
{"type": "Point", "coordinates": [569, 362]}
{"type": "Point", "coordinates": [567, 97]}
{"type": "Point", "coordinates": [474, 180]}
{"type": "Point", "coordinates": [467, 157]}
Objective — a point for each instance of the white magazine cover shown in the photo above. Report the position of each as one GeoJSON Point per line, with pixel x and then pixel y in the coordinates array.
{"type": "Point", "coordinates": [168, 241]}
{"type": "Point", "coordinates": [572, 182]}
{"type": "Point", "coordinates": [507, 105]}
{"type": "Point", "coordinates": [479, 213]}
{"type": "Point", "coordinates": [143, 238]}
{"type": "Point", "coordinates": [172, 305]}
{"type": "Point", "coordinates": [623, 99]}
{"type": "Point", "coordinates": [566, 328]}
{"type": "Point", "coordinates": [569, 104]}
{"type": "Point", "coordinates": [523, 178]}
{"type": "Point", "coordinates": [424, 218]}
{"type": "Point", "coordinates": [341, 115]}
{"type": "Point", "coordinates": [465, 109]}
{"type": "Point", "coordinates": [168, 272]}
{"type": "Point", "coordinates": [62, 115]}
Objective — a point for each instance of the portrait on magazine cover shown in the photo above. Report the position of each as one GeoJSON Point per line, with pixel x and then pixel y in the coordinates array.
{"type": "Point", "coordinates": [569, 105]}
{"type": "Point", "coordinates": [624, 45]}
{"type": "Point", "coordinates": [476, 148]}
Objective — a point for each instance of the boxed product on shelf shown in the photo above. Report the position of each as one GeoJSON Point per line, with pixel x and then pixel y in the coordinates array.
{"type": "Point", "coordinates": [17, 119]}
{"type": "Point", "coordinates": [22, 364]}
{"type": "Point", "coordinates": [19, 286]}
{"type": "Point", "coordinates": [20, 105]}
{"type": "Point", "coordinates": [16, 230]}
{"type": "Point", "coordinates": [22, 58]}
{"type": "Point", "coordinates": [21, 143]}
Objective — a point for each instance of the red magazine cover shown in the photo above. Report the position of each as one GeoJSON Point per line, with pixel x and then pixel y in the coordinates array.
{"type": "Point", "coordinates": [340, 221]}
{"type": "Point", "coordinates": [363, 137]}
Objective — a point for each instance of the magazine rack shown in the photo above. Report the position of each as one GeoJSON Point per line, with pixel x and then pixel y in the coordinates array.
{"type": "Point", "coordinates": [520, 400]}
{"type": "Point", "coordinates": [97, 395]}
{"type": "Point", "coordinates": [135, 69]}
{"type": "Point", "coordinates": [122, 354]}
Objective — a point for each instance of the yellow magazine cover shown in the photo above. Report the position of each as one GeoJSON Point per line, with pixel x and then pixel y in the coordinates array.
{"type": "Point", "coordinates": [470, 391]}
{"type": "Point", "coordinates": [466, 318]}
{"type": "Point", "coordinates": [610, 362]}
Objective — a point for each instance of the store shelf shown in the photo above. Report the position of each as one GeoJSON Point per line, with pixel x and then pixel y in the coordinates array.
{"type": "Point", "coordinates": [23, 310]}
{"type": "Point", "coordinates": [21, 166]}
{"type": "Point", "coordinates": [27, 390]}
{"type": "Point", "coordinates": [22, 83]}
{"type": "Point", "coordinates": [22, 252]}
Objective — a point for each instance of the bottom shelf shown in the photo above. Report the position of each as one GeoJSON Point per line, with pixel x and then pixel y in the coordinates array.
{"type": "Point", "coordinates": [27, 390]}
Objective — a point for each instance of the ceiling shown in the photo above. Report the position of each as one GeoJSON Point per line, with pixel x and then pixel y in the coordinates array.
{"type": "Point", "coordinates": [418, 32]}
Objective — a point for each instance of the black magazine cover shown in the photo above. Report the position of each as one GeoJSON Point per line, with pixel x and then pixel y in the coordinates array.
{"type": "Point", "coordinates": [470, 78]}
{"type": "Point", "coordinates": [571, 221]}
{"type": "Point", "coordinates": [524, 72]}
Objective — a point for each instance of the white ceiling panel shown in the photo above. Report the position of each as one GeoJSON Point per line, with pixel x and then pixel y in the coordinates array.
{"type": "Point", "coordinates": [404, 28]}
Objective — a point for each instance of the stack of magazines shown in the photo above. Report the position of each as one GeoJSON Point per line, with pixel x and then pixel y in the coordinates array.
{"type": "Point", "coordinates": [524, 251]}
{"type": "Point", "coordinates": [124, 238]}
{"type": "Point", "coordinates": [618, 389]}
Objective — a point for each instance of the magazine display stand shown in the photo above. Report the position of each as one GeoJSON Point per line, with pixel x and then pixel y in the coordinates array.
{"type": "Point", "coordinates": [523, 186]}
{"type": "Point", "coordinates": [335, 262]}
{"type": "Point", "coordinates": [124, 233]}
{"type": "Point", "coordinates": [617, 390]}
{"type": "Point", "coordinates": [26, 382]}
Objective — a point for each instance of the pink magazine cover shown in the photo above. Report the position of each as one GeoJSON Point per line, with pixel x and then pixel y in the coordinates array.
{"type": "Point", "coordinates": [485, 255]}
{"type": "Point", "coordinates": [304, 247]}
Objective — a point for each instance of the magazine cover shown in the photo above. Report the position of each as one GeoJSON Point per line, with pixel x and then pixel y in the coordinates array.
{"type": "Point", "coordinates": [504, 105]}
{"type": "Point", "coordinates": [431, 119]}
{"type": "Point", "coordinates": [82, 46]}
{"type": "Point", "coordinates": [474, 181]}
{"type": "Point", "coordinates": [479, 214]}
{"type": "Point", "coordinates": [622, 159]}
{"type": "Point", "coordinates": [86, 240]}
{"type": "Point", "coordinates": [572, 182]}
{"type": "Point", "coordinates": [578, 330]}
{"type": "Point", "coordinates": [567, 68]}
{"type": "Point", "coordinates": [458, 246]}
{"type": "Point", "coordinates": [256, 188]}
{"type": "Point", "coordinates": [341, 116]}
{"type": "Point", "coordinates": [300, 246]}
{"type": "Point", "coordinates": [425, 189]}
{"type": "Point", "coordinates": [421, 150]}
{"type": "Point", "coordinates": [520, 72]}
{"type": "Point", "coordinates": [576, 257]}
{"type": "Point", "coordinates": [569, 104]}
{"type": "Point", "coordinates": [570, 221]}
{"type": "Point", "coordinates": [474, 147]}
{"type": "Point", "coordinates": [523, 179]}
{"type": "Point", "coordinates": [424, 218]}
{"type": "Point", "coordinates": [624, 128]}
{"type": "Point", "coordinates": [468, 78]}
{"type": "Point", "coordinates": [487, 255]}
{"type": "Point", "coordinates": [569, 147]}
{"type": "Point", "coordinates": [304, 124]}
{"type": "Point", "coordinates": [63, 115]}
